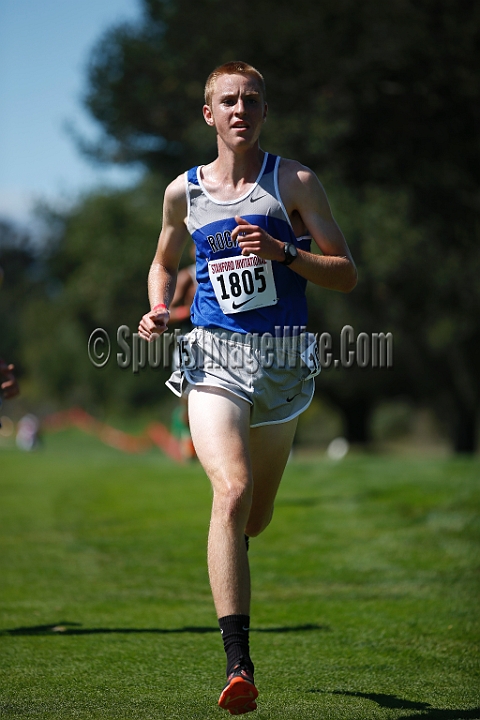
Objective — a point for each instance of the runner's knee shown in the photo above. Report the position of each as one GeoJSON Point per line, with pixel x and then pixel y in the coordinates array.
{"type": "Point", "coordinates": [233, 502]}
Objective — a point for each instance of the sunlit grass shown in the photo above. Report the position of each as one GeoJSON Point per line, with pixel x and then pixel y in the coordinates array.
{"type": "Point", "coordinates": [365, 601]}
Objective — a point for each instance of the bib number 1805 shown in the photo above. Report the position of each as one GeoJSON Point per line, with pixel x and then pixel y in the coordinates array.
{"type": "Point", "coordinates": [242, 282]}
{"type": "Point", "coordinates": [240, 288]}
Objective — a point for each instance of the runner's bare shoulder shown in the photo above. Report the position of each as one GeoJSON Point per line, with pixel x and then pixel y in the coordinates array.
{"type": "Point", "coordinates": [299, 185]}
{"type": "Point", "coordinates": [175, 201]}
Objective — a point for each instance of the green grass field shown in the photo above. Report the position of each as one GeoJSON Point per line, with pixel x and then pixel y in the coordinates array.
{"type": "Point", "coordinates": [365, 589]}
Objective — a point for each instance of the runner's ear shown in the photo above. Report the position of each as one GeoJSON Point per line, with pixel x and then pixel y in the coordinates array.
{"type": "Point", "coordinates": [208, 116]}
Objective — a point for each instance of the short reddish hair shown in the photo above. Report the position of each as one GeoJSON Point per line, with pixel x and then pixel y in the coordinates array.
{"type": "Point", "coordinates": [235, 67]}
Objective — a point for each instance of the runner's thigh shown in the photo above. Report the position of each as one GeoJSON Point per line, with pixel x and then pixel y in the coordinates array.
{"type": "Point", "coordinates": [219, 424]}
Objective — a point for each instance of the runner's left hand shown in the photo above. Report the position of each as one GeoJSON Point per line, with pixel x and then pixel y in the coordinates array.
{"type": "Point", "coordinates": [253, 239]}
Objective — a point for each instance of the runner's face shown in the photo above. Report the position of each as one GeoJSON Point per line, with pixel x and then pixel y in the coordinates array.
{"type": "Point", "coordinates": [237, 109]}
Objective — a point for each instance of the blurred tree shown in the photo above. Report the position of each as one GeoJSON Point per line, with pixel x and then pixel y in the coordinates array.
{"type": "Point", "coordinates": [20, 284]}
{"type": "Point", "coordinates": [414, 111]}
{"type": "Point", "coordinates": [96, 263]}
{"type": "Point", "coordinates": [380, 238]}
{"type": "Point", "coordinates": [145, 80]}
{"type": "Point", "coordinates": [384, 96]}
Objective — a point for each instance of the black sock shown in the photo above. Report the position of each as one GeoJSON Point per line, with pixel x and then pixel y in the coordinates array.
{"type": "Point", "coordinates": [234, 629]}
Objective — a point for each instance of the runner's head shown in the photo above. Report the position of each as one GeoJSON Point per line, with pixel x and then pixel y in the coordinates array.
{"type": "Point", "coordinates": [236, 67]}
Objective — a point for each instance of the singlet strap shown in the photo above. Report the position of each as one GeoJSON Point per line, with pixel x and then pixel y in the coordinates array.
{"type": "Point", "coordinates": [192, 176]}
{"type": "Point", "coordinates": [270, 164]}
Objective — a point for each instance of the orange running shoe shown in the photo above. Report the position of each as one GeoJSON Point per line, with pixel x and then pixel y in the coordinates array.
{"type": "Point", "coordinates": [239, 694]}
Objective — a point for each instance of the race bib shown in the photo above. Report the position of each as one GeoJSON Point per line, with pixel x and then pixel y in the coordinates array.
{"type": "Point", "coordinates": [244, 282]}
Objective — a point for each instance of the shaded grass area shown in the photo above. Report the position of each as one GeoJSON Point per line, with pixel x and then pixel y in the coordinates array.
{"type": "Point", "coordinates": [365, 605]}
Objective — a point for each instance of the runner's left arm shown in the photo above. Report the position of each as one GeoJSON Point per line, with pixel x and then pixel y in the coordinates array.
{"type": "Point", "coordinates": [303, 194]}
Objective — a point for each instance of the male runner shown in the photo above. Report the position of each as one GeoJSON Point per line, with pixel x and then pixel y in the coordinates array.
{"type": "Point", "coordinates": [252, 217]}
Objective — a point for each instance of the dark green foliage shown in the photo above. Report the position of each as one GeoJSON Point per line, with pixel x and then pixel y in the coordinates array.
{"type": "Point", "coordinates": [20, 281]}
{"type": "Point", "coordinates": [97, 263]}
{"type": "Point", "coordinates": [382, 99]}
{"type": "Point", "coordinates": [384, 92]}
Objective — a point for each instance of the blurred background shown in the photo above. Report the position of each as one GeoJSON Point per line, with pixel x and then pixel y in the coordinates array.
{"type": "Point", "coordinates": [101, 108]}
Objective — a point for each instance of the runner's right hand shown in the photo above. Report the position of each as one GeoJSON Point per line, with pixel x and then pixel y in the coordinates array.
{"type": "Point", "coordinates": [153, 323]}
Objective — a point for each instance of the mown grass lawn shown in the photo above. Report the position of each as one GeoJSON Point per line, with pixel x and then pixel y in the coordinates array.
{"type": "Point", "coordinates": [365, 603]}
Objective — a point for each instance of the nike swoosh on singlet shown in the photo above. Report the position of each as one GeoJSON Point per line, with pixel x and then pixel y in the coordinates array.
{"type": "Point", "coordinates": [235, 306]}
{"type": "Point", "coordinates": [259, 197]}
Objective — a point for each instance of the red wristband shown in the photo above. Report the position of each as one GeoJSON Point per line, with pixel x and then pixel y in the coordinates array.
{"type": "Point", "coordinates": [160, 305]}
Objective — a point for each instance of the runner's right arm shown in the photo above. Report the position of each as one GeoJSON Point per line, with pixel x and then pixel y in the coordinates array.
{"type": "Point", "coordinates": [163, 271]}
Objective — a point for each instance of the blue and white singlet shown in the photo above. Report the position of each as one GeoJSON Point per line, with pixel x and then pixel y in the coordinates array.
{"type": "Point", "coordinates": [240, 293]}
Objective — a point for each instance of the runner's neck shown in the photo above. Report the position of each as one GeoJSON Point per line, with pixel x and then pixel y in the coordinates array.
{"type": "Point", "coordinates": [232, 175]}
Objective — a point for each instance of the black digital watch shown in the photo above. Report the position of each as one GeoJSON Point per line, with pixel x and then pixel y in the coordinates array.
{"type": "Point", "coordinates": [291, 253]}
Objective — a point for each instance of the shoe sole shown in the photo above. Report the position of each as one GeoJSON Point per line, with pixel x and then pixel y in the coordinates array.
{"type": "Point", "coordinates": [238, 697]}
